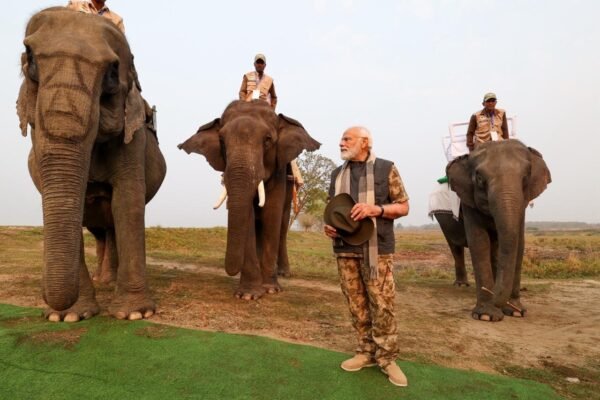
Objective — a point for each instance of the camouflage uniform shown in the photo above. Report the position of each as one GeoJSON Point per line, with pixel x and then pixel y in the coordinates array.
{"type": "Point", "coordinates": [371, 305]}
{"type": "Point", "coordinates": [371, 302]}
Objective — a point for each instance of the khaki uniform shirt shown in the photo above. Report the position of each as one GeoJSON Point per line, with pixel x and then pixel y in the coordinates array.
{"type": "Point", "coordinates": [88, 8]}
{"type": "Point", "coordinates": [246, 91]}
{"type": "Point", "coordinates": [480, 127]}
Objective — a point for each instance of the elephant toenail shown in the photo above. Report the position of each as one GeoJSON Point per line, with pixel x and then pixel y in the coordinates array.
{"type": "Point", "coordinates": [54, 317]}
{"type": "Point", "coordinates": [134, 316]}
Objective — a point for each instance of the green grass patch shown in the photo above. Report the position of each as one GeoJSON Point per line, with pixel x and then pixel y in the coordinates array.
{"type": "Point", "coordinates": [106, 358]}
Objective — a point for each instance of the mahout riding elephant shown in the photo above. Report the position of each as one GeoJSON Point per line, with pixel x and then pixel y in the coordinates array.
{"type": "Point", "coordinates": [93, 159]}
{"type": "Point", "coordinates": [495, 183]}
{"type": "Point", "coordinates": [253, 146]}
{"type": "Point", "coordinates": [454, 232]}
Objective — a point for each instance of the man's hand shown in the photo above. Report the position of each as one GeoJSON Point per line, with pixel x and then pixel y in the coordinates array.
{"type": "Point", "coordinates": [330, 231]}
{"type": "Point", "coordinates": [364, 210]}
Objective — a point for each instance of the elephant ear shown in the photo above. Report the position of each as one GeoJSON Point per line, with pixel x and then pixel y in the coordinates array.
{"type": "Point", "coordinates": [540, 174]}
{"type": "Point", "coordinates": [459, 177]}
{"type": "Point", "coordinates": [206, 142]}
{"type": "Point", "coordinates": [135, 113]}
{"type": "Point", "coordinates": [293, 139]}
{"type": "Point", "coordinates": [22, 107]}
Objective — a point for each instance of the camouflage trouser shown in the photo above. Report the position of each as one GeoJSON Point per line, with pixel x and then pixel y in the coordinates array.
{"type": "Point", "coordinates": [371, 305]}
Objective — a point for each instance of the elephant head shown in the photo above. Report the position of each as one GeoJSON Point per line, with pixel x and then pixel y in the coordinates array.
{"type": "Point", "coordinates": [499, 173]}
{"type": "Point", "coordinates": [252, 146]}
{"type": "Point", "coordinates": [78, 90]}
{"type": "Point", "coordinates": [498, 180]}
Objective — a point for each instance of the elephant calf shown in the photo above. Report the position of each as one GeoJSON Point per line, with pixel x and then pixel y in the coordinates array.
{"type": "Point", "coordinates": [495, 183]}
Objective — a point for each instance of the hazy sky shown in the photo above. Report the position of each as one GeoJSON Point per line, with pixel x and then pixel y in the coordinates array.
{"type": "Point", "coordinates": [405, 69]}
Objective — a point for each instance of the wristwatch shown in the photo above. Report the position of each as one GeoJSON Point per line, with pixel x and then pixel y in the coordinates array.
{"type": "Point", "coordinates": [382, 211]}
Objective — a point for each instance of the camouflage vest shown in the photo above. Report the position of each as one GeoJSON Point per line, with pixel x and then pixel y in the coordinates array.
{"type": "Point", "coordinates": [483, 132]}
{"type": "Point", "coordinates": [263, 87]}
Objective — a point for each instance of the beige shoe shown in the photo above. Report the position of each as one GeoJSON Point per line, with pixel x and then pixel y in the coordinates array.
{"type": "Point", "coordinates": [357, 363]}
{"type": "Point", "coordinates": [395, 374]}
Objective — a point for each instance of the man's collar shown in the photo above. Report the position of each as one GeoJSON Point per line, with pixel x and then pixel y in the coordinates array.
{"type": "Point", "coordinates": [103, 9]}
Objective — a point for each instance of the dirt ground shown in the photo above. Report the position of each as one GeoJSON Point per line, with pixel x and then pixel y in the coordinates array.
{"type": "Point", "coordinates": [562, 325]}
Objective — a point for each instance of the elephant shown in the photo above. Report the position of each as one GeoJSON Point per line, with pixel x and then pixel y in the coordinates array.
{"type": "Point", "coordinates": [94, 159]}
{"type": "Point", "coordinates": [454, 232]}
{"type": "Point", "coordinates": [495, 183]}
{"type": "Point", "coordinates": [253, 147]}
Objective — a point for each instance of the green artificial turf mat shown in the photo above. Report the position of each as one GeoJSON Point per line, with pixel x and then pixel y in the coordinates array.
{"type": "Point", "coordinates": [104, 358]}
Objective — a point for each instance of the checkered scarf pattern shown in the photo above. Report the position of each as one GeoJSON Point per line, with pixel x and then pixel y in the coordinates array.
{"type": "Point", "coordinates": [366, 194]}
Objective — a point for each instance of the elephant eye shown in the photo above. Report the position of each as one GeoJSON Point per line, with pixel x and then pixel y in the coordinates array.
{"type": "Point", "coordinates": [110, 84]}
{"type": "Point", "coordinates": [268, 141]}
{"type": "Point", "coordinates": [480, 181]}
{"type": "Point", "coordinates": [32, 68]}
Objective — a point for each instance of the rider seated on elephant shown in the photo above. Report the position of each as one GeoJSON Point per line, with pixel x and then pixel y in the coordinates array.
{"type": "Point", "coordinates": [97, 7]}
{"type": "Point", "coordinates": [256, 85]}
{"type": "Point", "coordinates": [488, 124]}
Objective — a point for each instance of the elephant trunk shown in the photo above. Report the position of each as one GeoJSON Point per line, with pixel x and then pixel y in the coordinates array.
{"type": "Point", "coordinates": [241, 190]}
{"type": "Point", "coordinates": [509, 220]}
{"type": "Point", "coordinates": [63, 172]}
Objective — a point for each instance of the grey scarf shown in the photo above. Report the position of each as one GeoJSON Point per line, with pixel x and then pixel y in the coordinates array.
{"type": "Point", "coordinates": [366, 194]}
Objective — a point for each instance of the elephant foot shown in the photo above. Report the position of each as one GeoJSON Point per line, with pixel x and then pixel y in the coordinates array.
{"type": "Point", "coordinates": [514, 308]}
{"type": "Point", "coordinates": [487, 312]}
{"type": "Point", "coordinates": [249, 294]}
{"type": "Point", "coordinates": [80, 310]}
{"type": "Point", "coordinates": [272, 288]}
{"type": "Point", "coordinates": [284, 273]}
{"type": "Point", "coordinates": [132, 306]}
{"type": "Point", "coordinates": [461, 282]}
{"type": "Point", "coordinates": [284, 270]}
{"type": "Point", "coordinates": [105, 277]}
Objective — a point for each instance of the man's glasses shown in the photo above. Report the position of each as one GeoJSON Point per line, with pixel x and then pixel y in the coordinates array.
{"type": "Point", "coordinates": [490, 101]}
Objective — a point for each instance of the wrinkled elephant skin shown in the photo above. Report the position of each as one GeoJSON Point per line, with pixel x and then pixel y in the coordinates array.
{"type": "Point", "coordinates": [495, 183]}
{"type": "Point", "coordinates": [250, 144]}
{"type": "Point", "coordinates": [93, 159]}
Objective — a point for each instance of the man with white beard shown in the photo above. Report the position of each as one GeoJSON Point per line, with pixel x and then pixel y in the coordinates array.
{"type": "Point", "coordinates": [365, 265]}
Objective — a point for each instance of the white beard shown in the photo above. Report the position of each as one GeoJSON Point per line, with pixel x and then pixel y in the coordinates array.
{"type": "Point", "coordinates": [349, 154]}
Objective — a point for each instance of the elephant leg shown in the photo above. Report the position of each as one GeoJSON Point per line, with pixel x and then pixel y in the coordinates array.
{"type": "Point", "coordinates": [250, 287]}
{"type": "Point", "coordinates": [272, 216]}
{"type": "Point", "coordinates": [458, 252]}
{"type": "Point", "coordinates": [283, 263]}
{"type": "Point", "coordinates": [479, 246]}
{"type": "Point", "coordinates": [106, 251]}
{"type": "Point", "coordinates": [100, 236]}
{"type": "Point", "coordinates": [86, 306]}
{"type": "Point", "coordinates": [131, 300]}
{"type": "Point", "coordinates": [515, 308]}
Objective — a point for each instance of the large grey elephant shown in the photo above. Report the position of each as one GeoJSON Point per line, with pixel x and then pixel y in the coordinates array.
{"type": "Point", "coordinates": [495, 183]}
{"type": "Point", "coordinates": [93, 158]}
{"type": "Point", "coordinates": [253, 147]}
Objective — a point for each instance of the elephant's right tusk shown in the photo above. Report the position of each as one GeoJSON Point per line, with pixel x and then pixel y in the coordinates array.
{"type": "Point", "coordinates": [261, 194]}
{"type": "Point", "coordinates": [221, 199]}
